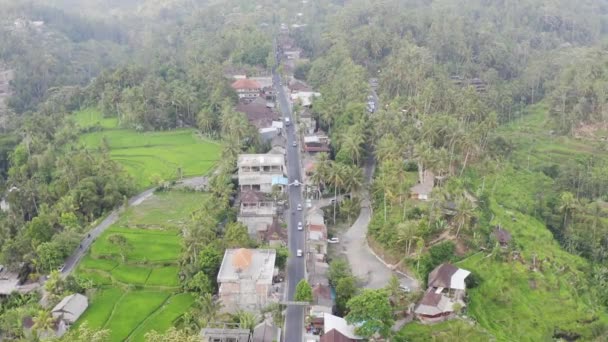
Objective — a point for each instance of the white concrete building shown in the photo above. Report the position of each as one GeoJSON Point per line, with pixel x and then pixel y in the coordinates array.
{"type": "Point", "coordinates": [255, 171]}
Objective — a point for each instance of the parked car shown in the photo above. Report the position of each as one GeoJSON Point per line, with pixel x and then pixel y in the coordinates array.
{"type": "Point", "coordinates": [294, 144]}
{"type": "Point", "coordinates": [299, 207]}
{"type": "Point", "coordinates": [61, 268]}
{"type": "Point", "coordinates": [299, 253]}
{"type": "Point", "coordinates": [300, 225]}
{"type": "Point", "coordinates": [333, 240]}
{"type": "Point", "coordinates": [308, 203]}
{"type": "Point", "coordinates": [405, 288]}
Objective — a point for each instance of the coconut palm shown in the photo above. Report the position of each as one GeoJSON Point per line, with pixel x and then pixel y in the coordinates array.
{"type": "Point", "coordinates": [43, 322]}
{"type": "Point", "coordinates": [464, 213]}
{"type": "Point", "coordinates": [352, 141]}
{"type": "Point", "coordinates": [336, 178]}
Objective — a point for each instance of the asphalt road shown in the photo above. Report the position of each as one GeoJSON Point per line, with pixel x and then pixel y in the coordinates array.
{"type": "Point", "coordinates": [294, 318]}
{"type": "Point", "coordinates": [72, 260]}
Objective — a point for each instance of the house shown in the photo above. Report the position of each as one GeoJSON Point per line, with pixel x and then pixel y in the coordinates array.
{"type": "Point", "coordinates": [293, 54]}
{"type": "Point", "coordinates": [296, 86]}
{"type": "Point", "coordinates": [445, 293]}
{"type": "Point", "coordinates": [65, 314]}
{"type": "Point", "coordinates": [422, 191]}
{"type": "Point", "coordinates": [278, 145]}
{"type": "Point", "coordinates": [9, 281]}
{"type": "Point", "coordinates": [316, 143]}
{"type": "Point", "coordinates": [266, 332]}
{"type": "Point", "coordinates": [245, 279]}
{"type": "Point", "coordinates": [275, 235]}
{"type": "Point", "coordinates": [70, 308]}
{"type": "Point", "coordinates": [269, 133]}
{"type": "Point", "coordinates": [317, 238]}
{"type": "Point", "coordinates": [256, 171]}
{"type": "Point", "coordinates": [259, 112]}
{"type": "Point", "coordinates": [255, 211]}
{"type": "Point", "coordinates": [304, 98]}
{"type": "Point", "coordinates": [335, 336]}
{"type": "Point", "coordinates": [247, 88]}
{"type": "Point", "coordinates": [339, 324]}
{"type": "Point", "coordinates": [502, 236]}
{"type": "Point", "coordinates": [225, 332]}
{"type": "Point", "coordinates": [307, 123]}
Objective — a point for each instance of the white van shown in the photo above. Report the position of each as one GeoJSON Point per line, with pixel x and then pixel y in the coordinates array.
{"type": "Point", "coordinates": [287, 122]}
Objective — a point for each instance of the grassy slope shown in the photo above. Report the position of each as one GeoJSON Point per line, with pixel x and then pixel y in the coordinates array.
{"type": "Point", "coordinates": [156, 211]}
{"type": "Point", "coordinates": [151, 265]}
{"type": "Point", "coordinates": [514, 303]}
{"type": "Point", "coordinates": [150, 154]}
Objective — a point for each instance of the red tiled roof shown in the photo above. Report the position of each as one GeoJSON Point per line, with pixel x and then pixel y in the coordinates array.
{"type": "Point", "coordinates": [316, 227]}
{"type": "Point", "coordinates": [441, 276]}
{"type": "Point", "coordinates": [322, 148]}
{"type": "Point", "coordinates": [246, 84]}
{"type": "Point", "coordinates": [335, 336]}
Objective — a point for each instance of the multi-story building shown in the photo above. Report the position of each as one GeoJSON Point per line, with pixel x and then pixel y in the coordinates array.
{"type": "Point", "coordinates": [256, 171]}
{"type": "Point", "coordinates": [256, 212]}
{"type": "Point", "coordinates": [245, 279]}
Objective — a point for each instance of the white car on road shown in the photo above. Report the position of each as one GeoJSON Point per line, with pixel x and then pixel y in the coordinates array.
{"type": "Point", "coordinates": [299, 253]}
{"type": "Point", "coordinates": [296, 183]}
{"type": "Point", "coordinates": [300, 225]}
{"type": "Point", "coordinates": [299, 207]}
{"type": "Point", "coordinates": [333, 240]}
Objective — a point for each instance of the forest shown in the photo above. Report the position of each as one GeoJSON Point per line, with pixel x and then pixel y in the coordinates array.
{"type": "Point", "coordinates": [503, 102]}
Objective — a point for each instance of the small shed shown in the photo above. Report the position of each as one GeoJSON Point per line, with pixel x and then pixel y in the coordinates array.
{"type": "Point", "coordinates": [502, 236]}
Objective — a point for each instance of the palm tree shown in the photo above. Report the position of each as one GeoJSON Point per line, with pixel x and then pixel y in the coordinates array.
{"type": "Point", "coordinates": [43, 322]}
{"type": "Point", "coordinates": [406, 233]}
{"type": "Point", "coordinates": [388, 148]}
{"type": "Point", "coordinates": [349, 207]}
{"type": "Point", "coordinates": [568, 204]}
{"type": "Point", "coordinates": [464, 212]}
{"type": "Point", "coordinates": [353, 178]}
{"type": "Point", "coordinates": [336, 178]}
{"type": "Point", "coordinates": [246, 319]}
{"type": "Point", "coordinates": [351, 143]}
{"type": "Point", "coordinates": [208, 308]}
{"type": "Point", "coordinates": [322, 169]}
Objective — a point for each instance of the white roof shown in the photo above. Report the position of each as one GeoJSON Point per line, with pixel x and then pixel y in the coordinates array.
{"type": "Point", "coordinates": [340, 324]}
{"type": "Point", "coordinates": [268, 130]}
{"type": "Point", "coordinates": [277, 124]}
{"type": "Point", "coordinates": [8, 282]}
{"type": "Point", "coordinates": [312, 139]}
{"type": "Point", "coordinates": [458, 279]}
{"type": "Point", "coordinates": [71, 307]}
{"type": "Point", "coordinates": [260, 266]}
{"type": "Point", "coordinates": [261, 159]}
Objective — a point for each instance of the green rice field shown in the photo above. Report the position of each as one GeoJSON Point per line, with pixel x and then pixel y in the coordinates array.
{"type": "Point", "coordinates": [140, 294]}
{"type": "Point", "coordinates": [149, 156]}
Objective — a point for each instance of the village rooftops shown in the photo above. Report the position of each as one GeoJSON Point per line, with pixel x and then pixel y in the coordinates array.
{"type": "Point", "coordinates": [448, 276]}
{"type": "Point", "coordinates": [255, 264]}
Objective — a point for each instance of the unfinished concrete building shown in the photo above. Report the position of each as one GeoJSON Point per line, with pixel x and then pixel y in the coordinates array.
{"type": "Point", "coordinates": [257, 170]}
